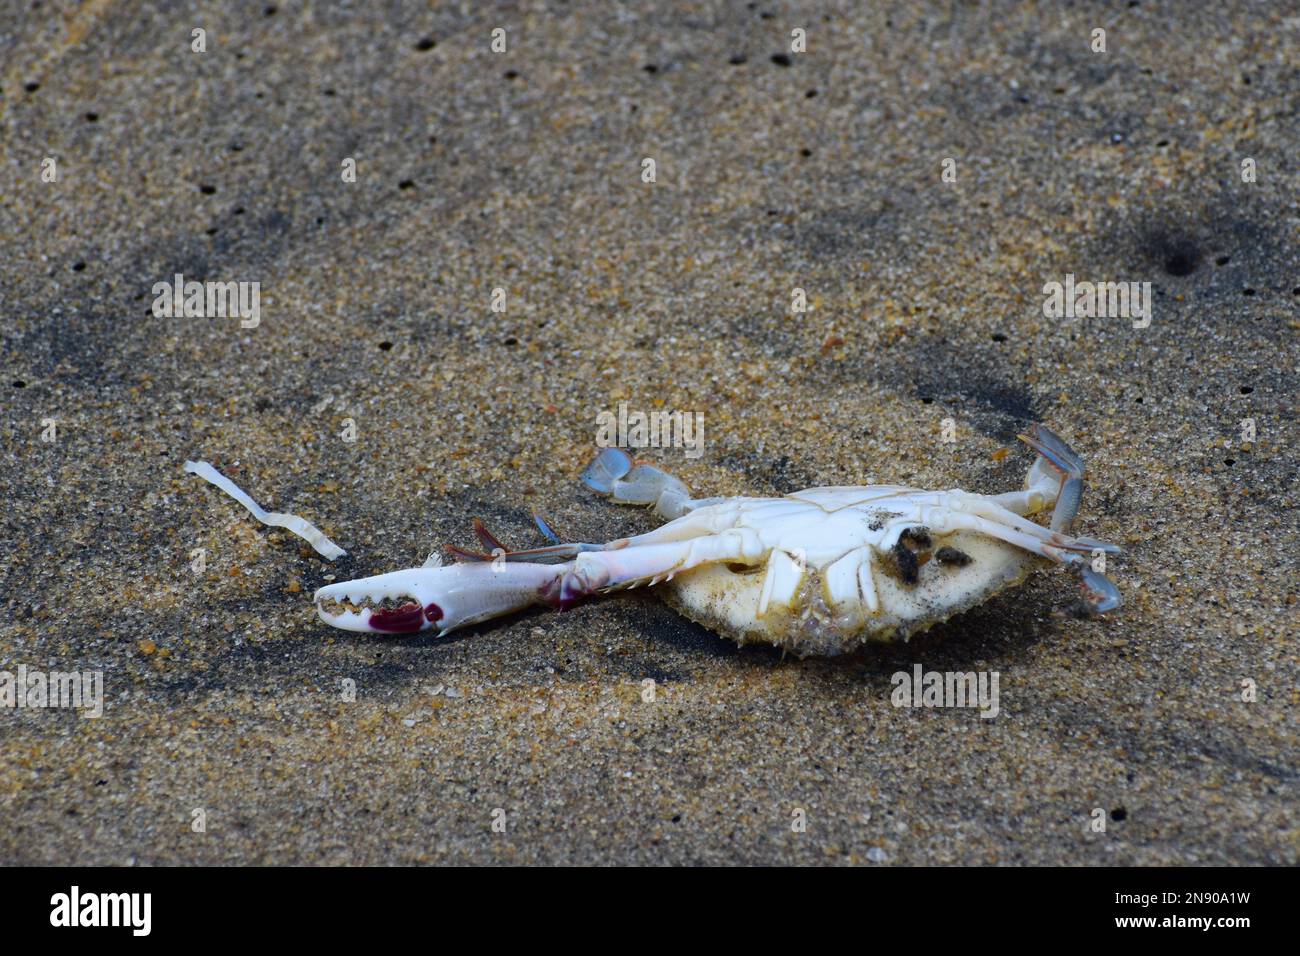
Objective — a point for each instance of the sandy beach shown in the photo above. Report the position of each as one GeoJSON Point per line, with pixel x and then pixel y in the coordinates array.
{"type": "Point", "coordinates": [436, 339]}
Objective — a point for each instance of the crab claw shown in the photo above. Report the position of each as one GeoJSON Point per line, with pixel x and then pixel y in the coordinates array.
{"type": "Point", "coordinates": [395, 603]}
{"type": "Point", "coordinates": [442, 597]}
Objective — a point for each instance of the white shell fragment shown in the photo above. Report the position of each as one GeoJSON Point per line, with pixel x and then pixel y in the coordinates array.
{"type": "Point", "coordinates": [299, 526]}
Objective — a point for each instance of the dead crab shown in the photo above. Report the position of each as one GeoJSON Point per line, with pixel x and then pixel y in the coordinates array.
{"type": "Point", "coordinates": [816, 572]}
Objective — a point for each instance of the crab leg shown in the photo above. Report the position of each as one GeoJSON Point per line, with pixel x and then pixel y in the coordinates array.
{"type": "Point", "coordinates": [499, 552]}
{"type": "Point", "coordinates": [1055, 479]}
{"type": "Point", "coordinates": [991, 507]}
{"type": "Point", "coordinates": [632, 566]}
{"type": "Point", "coordinates": [1099, 592]}
{"type": "Point", "coordinates": [614, 473]}
{"type": "Point", "coordinates": [455, 595]}
{"type": "Point", "coordinates": [1055, 454]}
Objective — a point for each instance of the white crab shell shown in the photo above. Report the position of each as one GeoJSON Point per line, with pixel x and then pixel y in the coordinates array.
{"type": "Point", "coordinates": [828, 582]}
